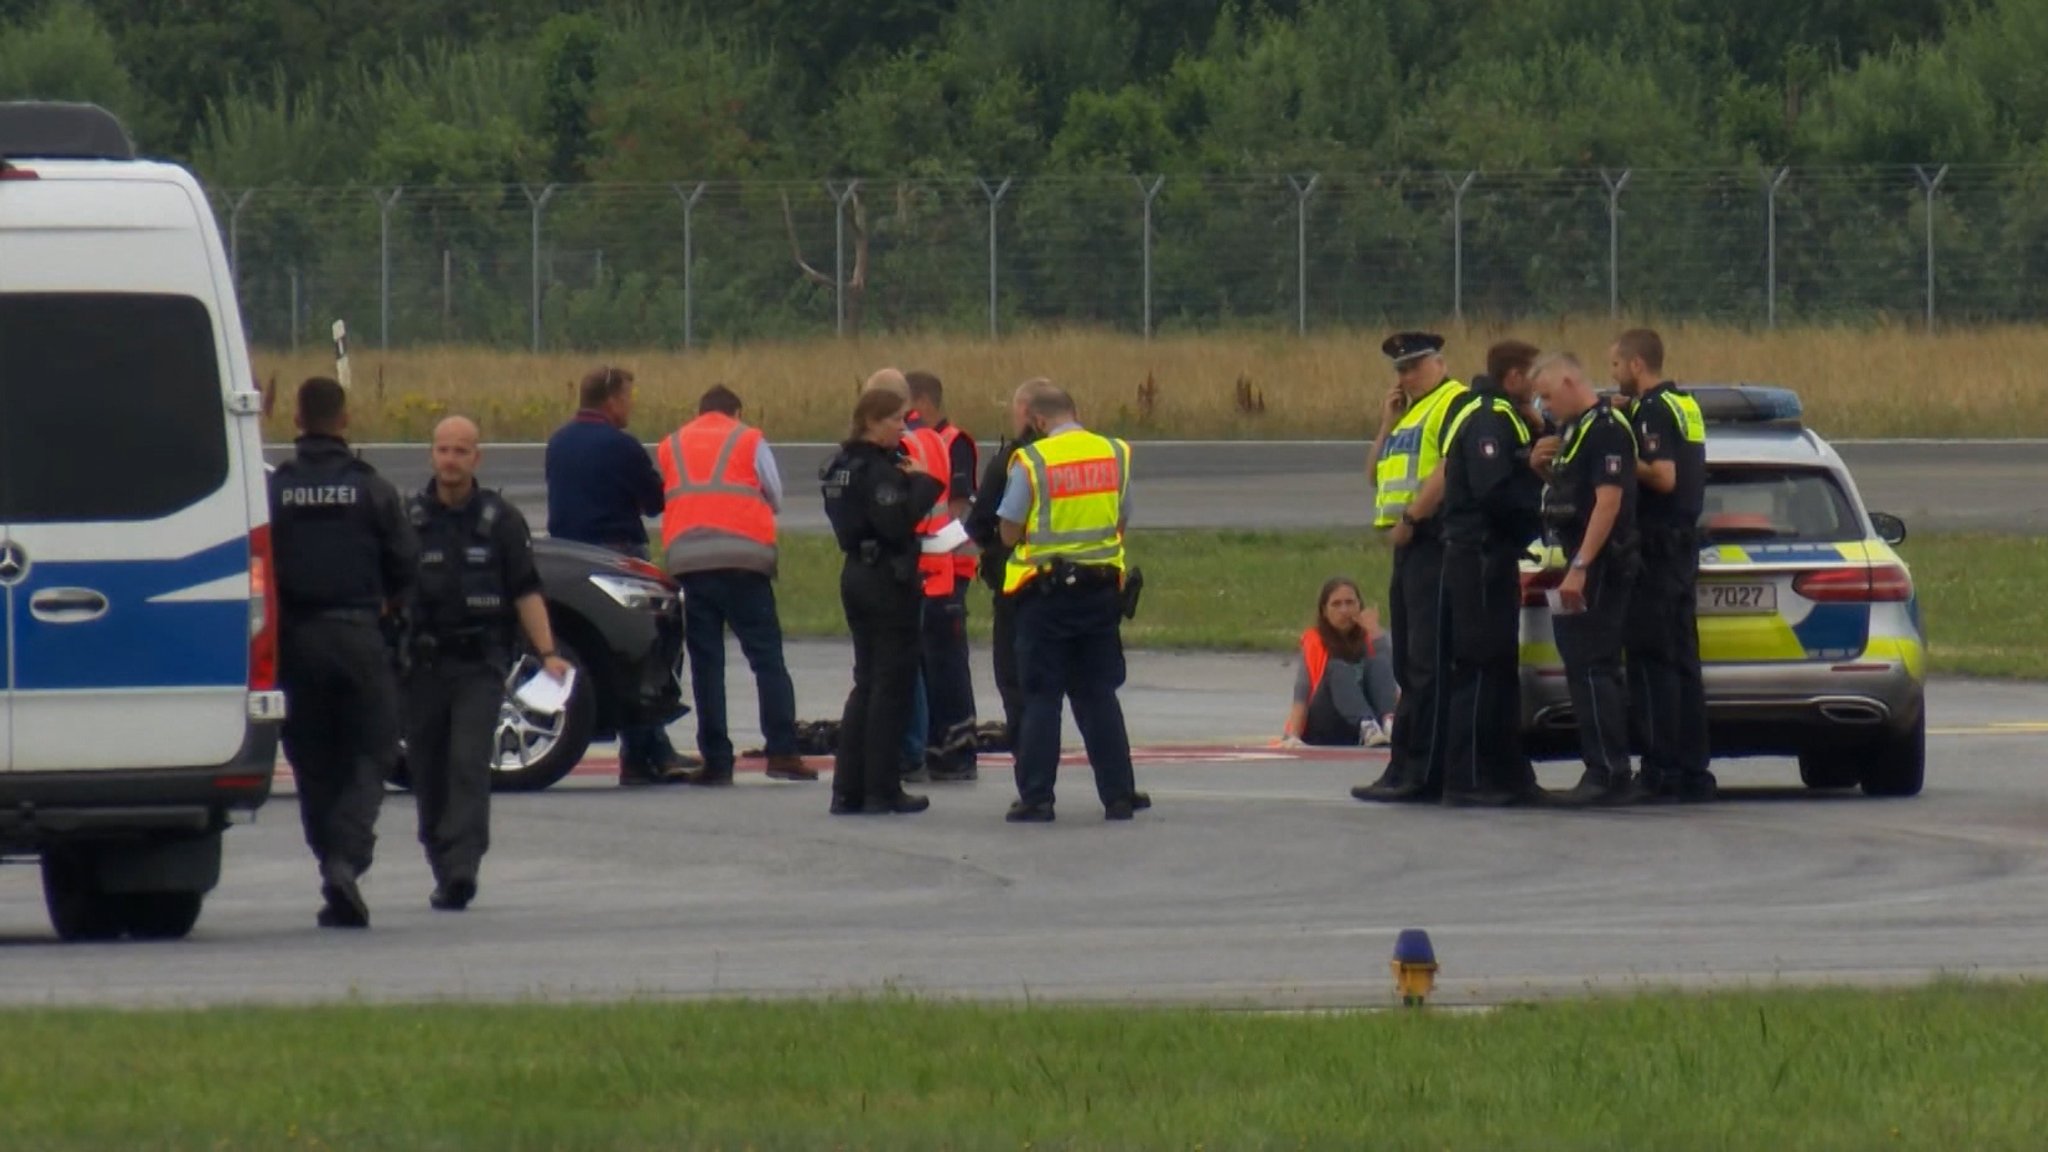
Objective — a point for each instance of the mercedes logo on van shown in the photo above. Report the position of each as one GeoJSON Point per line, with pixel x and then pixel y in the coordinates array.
{"type": "Point", "coordinates": [13, 563]}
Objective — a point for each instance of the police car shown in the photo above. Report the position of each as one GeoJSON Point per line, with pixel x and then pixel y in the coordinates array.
{"type": "Point", "coordinates": [1811, 639]}
{"type": "Point", "coordinates": [139, 709]}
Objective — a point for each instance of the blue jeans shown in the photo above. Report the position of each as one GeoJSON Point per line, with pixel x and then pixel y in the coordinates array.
{"type": "Point", "coordinates": [745, 602]}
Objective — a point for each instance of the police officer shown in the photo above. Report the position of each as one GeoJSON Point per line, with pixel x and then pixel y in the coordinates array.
{"type": "Point", "coordinates": [1667, 698]}
{"type": "Point", "coordinates": [477, 582]}
{"type": "Point", "coordinates": [1589, 506]}
{"type": "Point", "coordinates": [875, 495]}
{"type": "Point", "coordinates": [985, 528]}
{"type": "Point", "coordinates": [345, 556]}
{"type": "Point", "coordinates": [1491, 498]}
{"type": "Point", "coordinates": [1063, 515]}
{"type": "Point", "coordinates": [1404, 457]}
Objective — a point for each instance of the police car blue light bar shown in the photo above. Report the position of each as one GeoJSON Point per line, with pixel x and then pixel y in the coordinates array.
{"type": "Point", "coordinates": [1746, 403]}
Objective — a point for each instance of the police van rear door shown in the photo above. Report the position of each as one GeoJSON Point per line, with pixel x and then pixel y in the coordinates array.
{"type": "Point", "coordinates": [125, 504]}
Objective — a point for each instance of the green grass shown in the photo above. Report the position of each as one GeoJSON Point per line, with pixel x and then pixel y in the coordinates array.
{"type": "Point", "coordinates": [1947, 1066]}
{"type": "Point", "coordinates": [1255, 591]}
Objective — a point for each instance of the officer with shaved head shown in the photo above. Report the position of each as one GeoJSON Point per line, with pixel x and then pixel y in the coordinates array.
{"type": "Point", "coordinates": [478, 589]}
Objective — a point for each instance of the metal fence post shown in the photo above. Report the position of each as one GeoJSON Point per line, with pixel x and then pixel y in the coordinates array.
{"type": "Point", "coordinates": [384, 206]}
{"type": "Point", "coordinates": [295, 307]}
{"type": "Point", "coordinates": [995, 197]}
{"type": "Point", "coordinates": [1151, 193]}
{"type": "Point", "coordinates": [447, 289]}
{"type": "Point", "coordinates": [1930, 184]}
{"type": "Point", "coordinates": [689, 255]}
{"type": "Point", "coordinates": [1458, 190]}
{"type": "Point", "coordinates": [1614, 188]}
{"type": "Point", "coordinates": [539, 203]}
{"type": "Point", "coordinates": [235, 236]}
{"type": "Point", "coordinates": [1771, 187]}
{"type": "Point", "coordinates": [1301, 195]}
{"type": "Point", "coordinates": [839, 198]}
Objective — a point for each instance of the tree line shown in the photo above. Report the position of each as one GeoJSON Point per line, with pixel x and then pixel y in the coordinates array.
{"type": "Point", "coordinates": [474, 108]}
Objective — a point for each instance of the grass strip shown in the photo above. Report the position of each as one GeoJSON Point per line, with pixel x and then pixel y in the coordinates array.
{"type": "Point", "coordinates": [1951, 1065]}
{"type": "Point", "coordinates": [1255, 592]}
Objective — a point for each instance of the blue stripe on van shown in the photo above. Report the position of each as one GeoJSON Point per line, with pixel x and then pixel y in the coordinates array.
{"type": "Point", "coordinates": [137, 644]}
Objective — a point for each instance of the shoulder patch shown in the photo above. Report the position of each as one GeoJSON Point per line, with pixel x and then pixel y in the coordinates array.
{"type": "Point", "coordinates": [1489, 448]}
{"type": "Point", "coordinates": [1613, 466]}
{"type": "Point", "coordinates": [1650, 440]}
{"type": "Point", "coordinates": [889, 495]}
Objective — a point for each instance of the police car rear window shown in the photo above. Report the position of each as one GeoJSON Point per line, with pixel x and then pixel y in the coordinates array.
{"type": "Point", "coordinates": [1776, 504]}
{"type": "Point", "coordinates": [110, 407]}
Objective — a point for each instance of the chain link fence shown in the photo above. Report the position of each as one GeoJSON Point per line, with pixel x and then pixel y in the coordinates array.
{"type": "Point", "coordinates": [679, 265]}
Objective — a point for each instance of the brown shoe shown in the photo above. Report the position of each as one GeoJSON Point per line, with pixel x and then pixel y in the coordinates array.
{"type": "Point", "coordinates": [789, 768]}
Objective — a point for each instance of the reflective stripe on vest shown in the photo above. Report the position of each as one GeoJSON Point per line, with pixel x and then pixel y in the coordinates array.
{"type": "Point", "coordinates": [934, 568]}
{"type": "Point", "coordinates": [1411, 453]}
{"type": "Point", "coordinates": [1500, 404]}
{"type": "Point", "coordinates": [713, 490]}
{"type": "Point", "coordinates": [1569, 451]}
{"type": "Point", "coordinates": [1078, 483]}
{"type": "Point", "coordinates": [1686, 411]}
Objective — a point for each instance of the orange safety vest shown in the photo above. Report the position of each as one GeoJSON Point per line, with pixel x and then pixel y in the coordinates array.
{"type": "Point", "coordinates": [707, 470]}
{"type": "Point", "coordinates": [1317, 657]}
{"type": "Point", "coordinates": [964, 567]}
{"type": "Point", "coordinates": [927, 449]}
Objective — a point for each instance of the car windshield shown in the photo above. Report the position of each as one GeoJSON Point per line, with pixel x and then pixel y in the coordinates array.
{"type": "Point", "coordinates": [1777, 503]}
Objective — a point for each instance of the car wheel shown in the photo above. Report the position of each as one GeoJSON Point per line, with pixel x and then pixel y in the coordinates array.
{"type": "Point", "coordinates": [160, 915]}
{"type": "Point", "coordinates": [80, 910]}
{"type": "Point", "coordinates": [536, 749]}
{"type": "Point", "coordinates": [1831, 768]}
{"type": "Point", "coordinates": [1898, 767]}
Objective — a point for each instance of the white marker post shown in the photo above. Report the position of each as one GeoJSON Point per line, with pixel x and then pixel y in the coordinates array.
{"type": "Point", "coordinates": [341, 353]}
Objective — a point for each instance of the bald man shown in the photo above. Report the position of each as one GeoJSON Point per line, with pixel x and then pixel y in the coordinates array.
{"type": "Point", "coordinates": [477, 590]}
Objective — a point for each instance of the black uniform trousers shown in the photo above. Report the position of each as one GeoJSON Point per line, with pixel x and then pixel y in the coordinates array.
{"type": "Point", "coordinates": [1482, 748]}
{"type": "Point", "coordinates": [340, 728]}
{"type": "Point", "coordinates": [1415, 609]}
{"type": "Point", "coordinates": [1070, 650]}
{"type": "Point", "coordinates": [1668, 703]}
{"type": "Point", "coordinates": [882, 614]}
{"type": "Point", "coordinates": [1009, 680]}
{"type": "Point", "coordinates": [1591, 644]}
{"type": "Point", "coordinates": [452, 705]}
{"type": "Point", "coordinates": [948, 678]}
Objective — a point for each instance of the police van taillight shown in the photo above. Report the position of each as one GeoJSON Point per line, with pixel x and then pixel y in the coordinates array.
{"type": "Point", "coordinates": [262, 613]}
{"type": "Point", "coordinates": [16, 172]}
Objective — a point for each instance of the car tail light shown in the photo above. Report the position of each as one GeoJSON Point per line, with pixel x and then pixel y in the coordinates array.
{"type": "Point", "coordinates": [262, 613]}
{"type": "Point", "coordinates": [10, 172]}
{"type": "Point", "coordinates": [1535, 584]}
{"type": "Point", "coordinates": [644, 570]}
{"type": "Point", "coordinates": [1876, 584]}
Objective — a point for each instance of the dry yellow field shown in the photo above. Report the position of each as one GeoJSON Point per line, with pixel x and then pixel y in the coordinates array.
{"type": "Point", "coordinates": [1855, 383]}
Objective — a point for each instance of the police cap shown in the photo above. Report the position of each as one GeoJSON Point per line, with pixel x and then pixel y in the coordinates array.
{"type": "Point", "coordinates": [1405, 348]}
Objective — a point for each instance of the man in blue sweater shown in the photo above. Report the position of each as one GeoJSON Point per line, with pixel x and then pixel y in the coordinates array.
{"type": "Point", "coordinates": [602, 485]}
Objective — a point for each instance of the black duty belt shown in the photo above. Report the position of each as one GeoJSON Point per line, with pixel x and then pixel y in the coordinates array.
{"type": "Point", "coordinates": [342, 615]}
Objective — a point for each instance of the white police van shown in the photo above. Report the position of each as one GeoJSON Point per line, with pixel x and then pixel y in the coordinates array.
{"type": "Point", "coordinates": [139, 708]}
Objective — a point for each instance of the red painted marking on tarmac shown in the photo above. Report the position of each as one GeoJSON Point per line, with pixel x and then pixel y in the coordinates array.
{"type": "Point", "coordinates": [1156, 756]}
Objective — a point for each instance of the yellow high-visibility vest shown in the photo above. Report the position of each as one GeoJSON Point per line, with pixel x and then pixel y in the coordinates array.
{"type": "Point", "coordinates": [1412, 452]}
{"type": "Point", "coordinates": [1078, 484]}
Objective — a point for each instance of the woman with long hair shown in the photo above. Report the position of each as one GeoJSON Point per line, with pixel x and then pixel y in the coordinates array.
{"type": "Point", "coordinates": [1344, 693]}
{"type": "Point", "coordinates": [875, 494]}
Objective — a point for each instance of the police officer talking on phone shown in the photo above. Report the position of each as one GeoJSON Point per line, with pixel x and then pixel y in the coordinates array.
{"type": "Point", "coordinates": [1667, 696]}
{"type": "Point", "coordinates": [345, 556]}
{"type": "Point", "coordinates": [477, 586]}
{"type": "Point", "coordinates": [1589, 508]}
{"type": "Point", "coordinates": [1405, 457]}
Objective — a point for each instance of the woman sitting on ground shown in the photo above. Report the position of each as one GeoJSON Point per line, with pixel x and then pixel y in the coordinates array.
{"type": "Point", "coordinates": [1344, 694]}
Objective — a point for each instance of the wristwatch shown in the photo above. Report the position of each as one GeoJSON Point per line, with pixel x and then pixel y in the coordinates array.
{"type": "Point", "coordinates": [1578, 564]}
{"type": "Point", "coordinates": [1410, 521]}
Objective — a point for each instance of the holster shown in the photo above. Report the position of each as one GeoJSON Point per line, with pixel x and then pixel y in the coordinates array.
{"type": "Point", "coordinates": [1134, 587]}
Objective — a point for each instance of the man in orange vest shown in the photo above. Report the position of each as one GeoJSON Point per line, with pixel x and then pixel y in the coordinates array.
{"type": "Point", "coordinates": [718, 541]}
{"type": "Point", "coordinates": [948, 679]}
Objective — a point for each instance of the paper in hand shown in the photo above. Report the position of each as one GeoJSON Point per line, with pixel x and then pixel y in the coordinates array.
{"type": "Point", "coordinates": [947, 539]}
{"type": "Point", "coordinates": [544, 693]}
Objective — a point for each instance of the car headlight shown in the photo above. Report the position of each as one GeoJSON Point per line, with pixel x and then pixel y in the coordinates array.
{"type": "Point", "coordinates": [636, 594]}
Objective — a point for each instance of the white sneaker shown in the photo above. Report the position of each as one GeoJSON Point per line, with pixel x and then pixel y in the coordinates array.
{"type": "Point", "coordinates": [1372, 735]}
